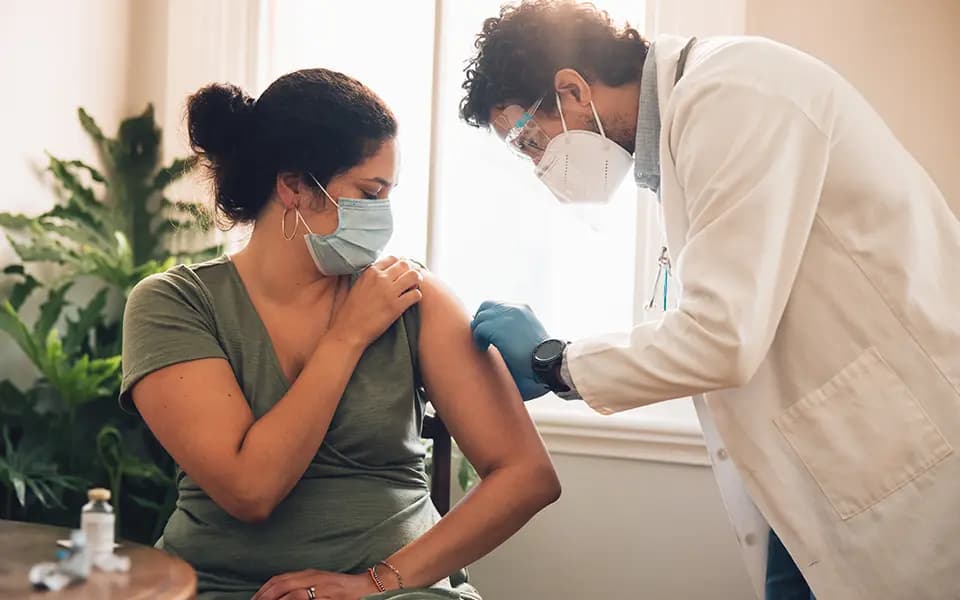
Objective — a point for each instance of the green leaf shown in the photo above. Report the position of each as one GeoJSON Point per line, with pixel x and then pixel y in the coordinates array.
{"type": "Point", "coordinates": [19, 484]}
{"type": "Point", "coordinates": [117, 460]}
{"type": "Point", "coordinates": [63, 172]}
{"type": "Point", "coordinates": [14, 221]}
{"type": "Point", "coordinates": [197, 212]}
{"type": "Point", "coordinates": [123, 245]}
{"type": "Point", "coordinates": [109, 447]}
{"type": "Point", "coordinates": [22, 289]}
{"type": "Point", "coordinates": [78, 381]}
{"type": "Point", "coordinates": [145, 503]}
{"type": "Point", "coordinates": [54, 362]}
{"type": "Point", "coordinates": [77, 236]}
{"type": "Point", "coordinates": [38, 492]}
{"type": "Point", "coordinates": [50, 311]}
{"type": "Point", "coordinates": [94, 174]}
{"type": "Point", "coordinates": [11, 323]}
{"type": "Point", "coordinates": [177, 169]}
{"type": "Point", "coordinates": [90, 126]}
{"type": "Point", "coordinates": [95, 373]}
{"type": "Point", "coordinates": [28, 469]}
{"type": "Point", "coordinates": [466, 475]}
{"type": "Point", "coordinates": [7, 444]}
{"type": "Point", "coordinates": [102, 368]}
{"type": "Point", "coordinates": [87, 318]}
{"type": "Point", "coordinates": [133, 467]}
{"type": "Point", "coordinates": [92, 217]}
{"type": "Point", "coordinates": [39, 251]}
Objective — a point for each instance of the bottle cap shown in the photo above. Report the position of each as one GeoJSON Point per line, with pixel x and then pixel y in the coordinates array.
{"type": "Point", "coordinates": [98, 494]}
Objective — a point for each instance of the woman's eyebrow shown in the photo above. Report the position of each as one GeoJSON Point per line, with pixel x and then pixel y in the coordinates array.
{"type": "Point", "coordinates": [380, 180]}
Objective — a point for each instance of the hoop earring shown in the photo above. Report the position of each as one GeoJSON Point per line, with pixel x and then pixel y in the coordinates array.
{"type": "Point", "coordinates": [283, 225]}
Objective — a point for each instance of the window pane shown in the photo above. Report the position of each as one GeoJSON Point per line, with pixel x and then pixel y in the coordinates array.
{"type": "Point", "coordinates": [503, 236]}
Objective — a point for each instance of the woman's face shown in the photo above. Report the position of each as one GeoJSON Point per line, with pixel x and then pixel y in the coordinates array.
{"type": "Point", "coordinates": [373, 179]}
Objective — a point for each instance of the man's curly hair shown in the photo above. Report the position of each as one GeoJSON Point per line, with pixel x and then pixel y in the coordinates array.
{"type": "Point", "coordinates": [520, 51]}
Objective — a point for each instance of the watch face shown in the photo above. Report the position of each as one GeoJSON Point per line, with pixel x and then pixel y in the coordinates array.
{"type": "Point", "coordinates": [549, 350]}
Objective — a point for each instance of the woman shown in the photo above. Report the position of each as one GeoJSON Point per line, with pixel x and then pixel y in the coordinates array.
{"type": "Point", "coordinates": [283, 378]}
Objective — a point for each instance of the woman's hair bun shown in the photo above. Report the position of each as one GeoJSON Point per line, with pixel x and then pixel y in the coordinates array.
{"type": "Point", "coordinates": [218, 119]}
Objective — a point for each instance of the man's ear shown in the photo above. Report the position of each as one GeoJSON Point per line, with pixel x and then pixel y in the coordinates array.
{"type": "Point", "coordinates": [570, 82]}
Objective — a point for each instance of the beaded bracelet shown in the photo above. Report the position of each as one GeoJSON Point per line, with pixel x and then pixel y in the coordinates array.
{"type": "Point", "coordinates": [395, 572]}
{"type": "Point", "coordinates": [372, 571]}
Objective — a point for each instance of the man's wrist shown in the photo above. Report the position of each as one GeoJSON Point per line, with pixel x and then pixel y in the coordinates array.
{"type": "Point", "coordinates": [567, 378]}
{"type": "Point", "coordinates": [548, 362]}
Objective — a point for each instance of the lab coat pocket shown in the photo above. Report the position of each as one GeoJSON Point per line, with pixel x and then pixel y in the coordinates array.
{"type": "Point", "coordinates": [863, 435]}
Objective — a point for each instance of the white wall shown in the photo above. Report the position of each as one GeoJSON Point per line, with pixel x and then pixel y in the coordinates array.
{"type": "Point", "coordinates": [622, 529]}
{"type": "Point", "coordinates": [146, 77]}
{"type": "Point", "coordinates": [903, 55]}
{"type": "Point", "coordinates": [55, 56]}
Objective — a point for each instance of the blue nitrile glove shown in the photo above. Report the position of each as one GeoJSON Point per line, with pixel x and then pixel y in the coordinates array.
{"type": "Point", "coordinates": [516, 332]}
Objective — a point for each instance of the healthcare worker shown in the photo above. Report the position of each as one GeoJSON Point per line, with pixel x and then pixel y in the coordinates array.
{"type": "Point", "coordinates": [818, 319]}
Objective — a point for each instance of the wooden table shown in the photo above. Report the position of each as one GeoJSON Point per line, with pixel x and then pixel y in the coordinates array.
{"type": "Point", "coordinates": [153, 574]}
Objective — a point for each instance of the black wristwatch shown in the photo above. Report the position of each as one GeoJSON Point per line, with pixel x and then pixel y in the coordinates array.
{"type": "Point", "coordinates": [546, 361]}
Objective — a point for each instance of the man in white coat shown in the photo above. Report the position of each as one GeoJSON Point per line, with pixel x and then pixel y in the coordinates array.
{"type": "Point", "coordinates": [818, 320]}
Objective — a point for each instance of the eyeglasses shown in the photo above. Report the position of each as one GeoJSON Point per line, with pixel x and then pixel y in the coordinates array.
{"type": "Point", "coordinates": [521, 132]}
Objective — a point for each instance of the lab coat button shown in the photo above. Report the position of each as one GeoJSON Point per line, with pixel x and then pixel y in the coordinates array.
{"type": "Point", "coordinates": [750, 539]}
{"type": "Point", "coordinates": [722, 454]}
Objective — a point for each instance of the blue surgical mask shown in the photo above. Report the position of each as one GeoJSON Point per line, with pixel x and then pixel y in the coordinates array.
{"type": "Point", "coordinates": [364, 229]}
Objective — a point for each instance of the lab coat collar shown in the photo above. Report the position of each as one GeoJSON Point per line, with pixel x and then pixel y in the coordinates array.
{"type": "Point", "coordinates": [669, 48]}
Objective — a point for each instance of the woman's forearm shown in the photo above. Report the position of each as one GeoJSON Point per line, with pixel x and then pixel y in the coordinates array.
{"type": "Point", "coordinates": [497, 508]}
{"type": "Point", "coordinates": [279, 446]}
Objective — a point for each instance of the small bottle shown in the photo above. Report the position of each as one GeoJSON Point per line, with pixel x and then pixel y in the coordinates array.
{"type": "Point", "coordinates": [97, 522]}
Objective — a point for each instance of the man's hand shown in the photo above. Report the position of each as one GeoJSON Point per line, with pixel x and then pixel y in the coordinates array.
{"type": "Point", "coordinates": [516, 332]}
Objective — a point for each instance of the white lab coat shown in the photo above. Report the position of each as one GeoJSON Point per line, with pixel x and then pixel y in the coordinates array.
{"type": "Point", "coordinates": [819, 318]}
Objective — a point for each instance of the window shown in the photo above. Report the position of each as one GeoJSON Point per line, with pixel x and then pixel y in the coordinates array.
{"type": "Point", "coordinates": [487, 226]}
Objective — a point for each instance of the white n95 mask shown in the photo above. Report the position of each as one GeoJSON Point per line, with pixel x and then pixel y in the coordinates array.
{"type": "Point", "coordinates": [582, 166]}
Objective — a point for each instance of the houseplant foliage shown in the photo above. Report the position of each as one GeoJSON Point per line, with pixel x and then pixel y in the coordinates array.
{"type": "Point", "coordinates": [61, 306]}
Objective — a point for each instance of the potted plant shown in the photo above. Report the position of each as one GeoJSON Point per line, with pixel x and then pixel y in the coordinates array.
{"type": "Point", "coordinates": [77, 262]}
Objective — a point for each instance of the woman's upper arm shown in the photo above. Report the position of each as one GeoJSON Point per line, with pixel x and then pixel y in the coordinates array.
{"type": "Point", "coordinates": [472, 389]}
{"type": "Point", "coordinates": [177, 375]}
{"type": "Point", "coordinates": [198, 413]}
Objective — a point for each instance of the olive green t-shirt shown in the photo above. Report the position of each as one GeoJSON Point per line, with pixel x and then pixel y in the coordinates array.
{"type": "Point", "coordinates": [365, 493]}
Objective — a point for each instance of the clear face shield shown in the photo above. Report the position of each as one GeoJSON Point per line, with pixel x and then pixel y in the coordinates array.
{"type": "Point", "coordinates": [518, 128]}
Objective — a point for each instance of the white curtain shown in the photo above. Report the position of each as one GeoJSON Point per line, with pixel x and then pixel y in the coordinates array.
{"type": "Point", "coordinates": [696, 17]}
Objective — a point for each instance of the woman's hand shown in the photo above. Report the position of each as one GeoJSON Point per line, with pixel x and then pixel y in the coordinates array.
{"type": "Point", "coordinates": [380, 295]}
{"type": "Point", "coordinates": [328, 586]}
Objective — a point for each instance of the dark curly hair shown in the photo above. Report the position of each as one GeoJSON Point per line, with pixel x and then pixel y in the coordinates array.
{"type": "Point", "coordinates": [315, 120]}
{"type": "Point", "coordinates": [520, 51]}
